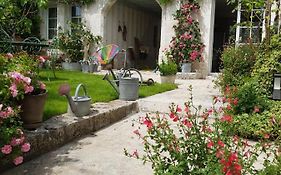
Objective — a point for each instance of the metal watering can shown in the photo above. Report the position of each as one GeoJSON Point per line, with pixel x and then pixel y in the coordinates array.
{"type": "Point", "coordinates": [79, 105]}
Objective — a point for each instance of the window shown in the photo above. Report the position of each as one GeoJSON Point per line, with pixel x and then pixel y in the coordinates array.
{"type": "Point", "coordinates": [52, 23]}
{"type": "Point", "coordinates": [76, 14]}
{"type": "Point", "coordinates": [249, 25]}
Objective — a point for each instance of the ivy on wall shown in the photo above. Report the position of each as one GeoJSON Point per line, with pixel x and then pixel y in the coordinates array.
{"type": "Point", "coordinates": [80, 2]}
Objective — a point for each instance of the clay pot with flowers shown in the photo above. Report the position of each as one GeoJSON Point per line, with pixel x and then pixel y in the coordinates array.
{"type": "Point", "coordinates": [34, 96]}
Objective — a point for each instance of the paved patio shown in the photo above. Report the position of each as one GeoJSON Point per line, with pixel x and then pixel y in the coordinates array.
{"type": "Point", "coordinates": [101, 153]}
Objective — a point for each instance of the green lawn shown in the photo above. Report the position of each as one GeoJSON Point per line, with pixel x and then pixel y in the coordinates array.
{"type": "Point", "coordinates": [99, 90]}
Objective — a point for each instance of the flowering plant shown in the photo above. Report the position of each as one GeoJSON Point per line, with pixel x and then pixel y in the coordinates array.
{"type": "Point", "coordinates": [186, 46]}
{"type": "Point", "coordinates": [197, 141]}
{"type": "Point", "coordinates": [18, 78]}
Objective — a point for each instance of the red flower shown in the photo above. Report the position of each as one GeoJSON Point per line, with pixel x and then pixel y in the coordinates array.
{"type": "Point", "coordinates": [226, 118]}
{"type": "Point", "coordinates": [178, 109]}
{"type": "Point", "coordinates": [210, 144]}
{"type": "Point", "coordinates": [228, 107]}
{"type": "Point", "coordinates": [235, 101]}
{"type": "Point", "coordinates": [256, 109]}
{"type": "Point", "coordinates": [148, 123]}
{"type": "Point", "coordinates": [266, 136]}
{"type": "Point", "coordinates": [187, 123]}
{"type": "Point", "coordinates": [220, 143]}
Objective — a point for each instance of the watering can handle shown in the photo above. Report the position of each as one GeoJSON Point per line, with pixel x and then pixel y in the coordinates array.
{"type": "Point", "coordinates": [78, 88]}
{"type": "Point", "coordinates": [132, 69]}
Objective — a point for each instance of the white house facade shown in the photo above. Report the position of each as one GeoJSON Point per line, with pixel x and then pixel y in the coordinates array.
{"type": "Point", "coordinates": [147, 26]}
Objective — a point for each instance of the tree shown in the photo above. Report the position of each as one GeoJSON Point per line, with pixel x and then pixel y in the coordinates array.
{"type": "Point", "coordinates": [17, 16]}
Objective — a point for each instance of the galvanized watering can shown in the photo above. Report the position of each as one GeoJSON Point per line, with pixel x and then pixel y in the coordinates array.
{"type": "Point", "coordinates": [79, 105]}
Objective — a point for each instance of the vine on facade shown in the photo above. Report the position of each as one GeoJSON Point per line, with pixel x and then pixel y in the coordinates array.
{"type": "Point", "coordinates": [186, 45]}
{"type": "Point", "coordinates": [80, 2]}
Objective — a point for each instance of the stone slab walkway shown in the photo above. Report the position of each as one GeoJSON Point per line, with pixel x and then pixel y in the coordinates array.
{"type": "Point", "coordinates": [101, 153]}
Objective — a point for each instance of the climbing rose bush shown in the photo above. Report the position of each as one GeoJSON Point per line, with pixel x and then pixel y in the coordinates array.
{"type": "Point", "coordinates": [190, 140]}
{"type": "Point", "coordinates": [186, 46]}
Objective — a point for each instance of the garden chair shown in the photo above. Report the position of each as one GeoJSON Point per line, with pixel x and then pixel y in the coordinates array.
{"type": "Point", "coordinates": [105, 56]}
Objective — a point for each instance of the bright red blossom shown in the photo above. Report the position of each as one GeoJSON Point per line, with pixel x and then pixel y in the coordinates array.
{"type": "Point", "coordinates": [148, 123]}
{"type": "Point", "coordinates": [226, 118]}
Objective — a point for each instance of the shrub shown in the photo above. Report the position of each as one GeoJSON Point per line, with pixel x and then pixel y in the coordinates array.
{"type": "Point", "coordinates": [268, 63]}
{"type": "Point", "coordinates": [249, 98]}
{"type": "Point", "coordinates": [256, 125]}
{"type": "Point", "coordinates": [168, 68]}
{"type": "Point", "coordinates": [237, 65]}
{"type": "Point", "coordinates": [72, 42]}
{"type": "Point", "coordinates": [187, 142]}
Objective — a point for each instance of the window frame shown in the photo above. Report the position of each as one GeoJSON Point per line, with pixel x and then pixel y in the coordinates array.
{"type": "Point", "coordinates": [48, 22]}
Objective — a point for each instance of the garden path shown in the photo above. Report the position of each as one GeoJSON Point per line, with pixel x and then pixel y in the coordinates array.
{"type": "Point", "coordinates": [102, 152]}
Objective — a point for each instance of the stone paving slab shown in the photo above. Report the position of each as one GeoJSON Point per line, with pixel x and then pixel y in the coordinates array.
{"type": "Point", "coordinates": [62, 129]}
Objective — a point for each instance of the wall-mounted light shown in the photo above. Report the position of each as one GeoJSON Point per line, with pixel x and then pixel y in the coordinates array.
{"type": "Point", "coordinates": [276, 95]}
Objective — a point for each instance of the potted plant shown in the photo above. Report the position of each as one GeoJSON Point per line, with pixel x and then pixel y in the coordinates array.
{"type": "Point", "coordinates": [25, 89]}
{"type": "Point", "coordinates": [75, 45]}
{"type": "Point", "coordinates": [168, 71]}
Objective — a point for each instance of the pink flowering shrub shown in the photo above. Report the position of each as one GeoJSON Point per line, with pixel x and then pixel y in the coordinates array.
{"type": "Point", "coordinates": [186, 46]}
{"type": "Point", "coordinates": [18, 77]}
{"type": "Point", "coordinates": [190, 140]}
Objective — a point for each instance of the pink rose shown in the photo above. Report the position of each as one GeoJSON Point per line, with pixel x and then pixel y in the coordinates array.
{"type": "Point", "coordinates": [42, 59]}
{"type": "Point", "coordinates": [42, 86]}
{"type": "Point", "coordinates": [14, 90]}
{"type": "Point", "coordinates": [9, 55]}
{"type": "Point", "coordinates": [28, 89]}
{"type": "Point", "coordinates": [6, 149]}
{"type": "Point", "coordinates": [15, 142]}
{"type": "Point", "coordinates": [25, 147]}
{"type": "Point", "coordinates": [18, 160]}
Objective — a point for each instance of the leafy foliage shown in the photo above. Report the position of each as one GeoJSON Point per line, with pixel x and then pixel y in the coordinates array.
{"type": "Point", "coordinates": [186, 142]}
{"type": "Point", "coordinates": [268, 63]}
{"type": "Point", "coordinates": [19, 17]}
{"type": "Point", "coordinates": [238, 63]}
{"type": "Point", "coordinates": [71, 43]}
{"type": "Point", "coordinates": [168, 68]}
{"type": "Point", "coordinates": [250, 98]}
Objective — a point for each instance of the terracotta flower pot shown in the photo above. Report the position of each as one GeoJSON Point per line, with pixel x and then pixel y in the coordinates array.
{"type": "Point", "coordinates": [168, 79]}
{"type": "Point", "coordinates": [32, 110]}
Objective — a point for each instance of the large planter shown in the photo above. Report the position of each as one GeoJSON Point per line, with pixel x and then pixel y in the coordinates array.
{"type": "Point", "coordinates": [89, 68]}
{"type": "Point", "coordinates": [186, 68]}
{"type": "Point", "coordinates": [168, 79]}
{"type": "Point", "coordinates": [32, 110]}
{"type": "Point", "coordinates": [71, 66]}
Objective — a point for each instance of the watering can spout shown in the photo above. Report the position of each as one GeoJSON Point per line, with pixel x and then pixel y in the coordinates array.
{"type": "Point", "coordinates": [65, 90]}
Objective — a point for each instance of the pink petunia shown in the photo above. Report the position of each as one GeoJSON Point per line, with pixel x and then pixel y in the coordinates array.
{"type": "Point", "coordinates": [18, 160]}
{"type": "Point", "coordinates": [6, 149]}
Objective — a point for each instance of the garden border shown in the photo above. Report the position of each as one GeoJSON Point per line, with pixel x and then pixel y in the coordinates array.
{"type": "Point", "coordinates": [62, 129]}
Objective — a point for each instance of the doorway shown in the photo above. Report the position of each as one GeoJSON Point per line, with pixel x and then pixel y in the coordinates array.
{"type": "Point", "coordinates": [224, 33]}
{"type": "Point", "coordinates": [135, 25]}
